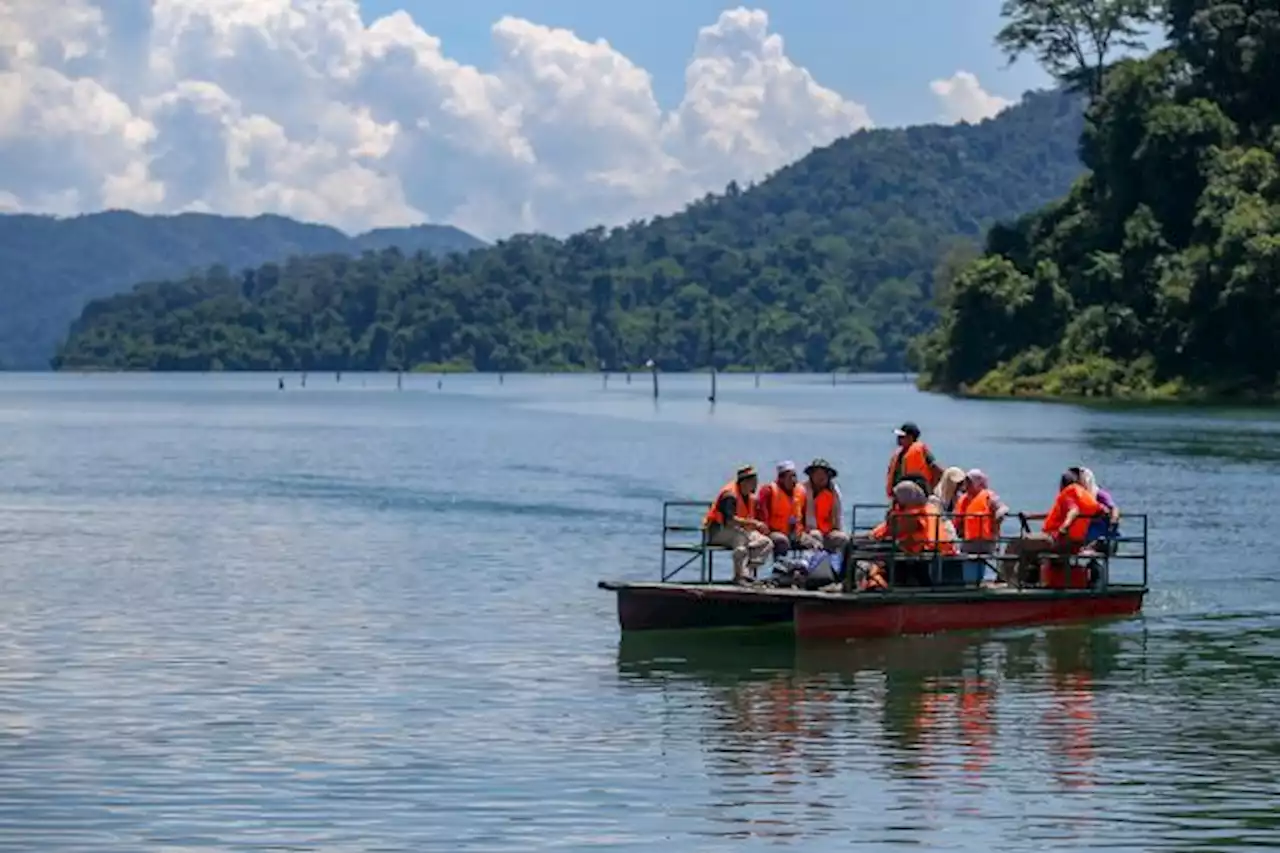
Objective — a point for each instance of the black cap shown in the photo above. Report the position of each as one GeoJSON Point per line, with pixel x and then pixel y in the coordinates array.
{"type": "Point", "coordinates": [908, 428]}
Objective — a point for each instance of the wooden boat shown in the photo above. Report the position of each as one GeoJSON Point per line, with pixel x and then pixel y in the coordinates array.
{"type": "Point", "coordinates": [927, 594]}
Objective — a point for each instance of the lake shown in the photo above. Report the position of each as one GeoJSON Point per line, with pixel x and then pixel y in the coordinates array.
{"type": "Point", "coordinates": [346, 618]}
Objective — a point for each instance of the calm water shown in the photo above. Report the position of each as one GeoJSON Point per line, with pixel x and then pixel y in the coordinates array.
{"type": "Point", "coordinates": [350, 619]}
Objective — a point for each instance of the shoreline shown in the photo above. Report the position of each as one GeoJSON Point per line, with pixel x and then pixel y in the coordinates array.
{"type": "Point", "coordinates": [1193, 399]}
{"type": "Point", "coordinates": [903, 376]}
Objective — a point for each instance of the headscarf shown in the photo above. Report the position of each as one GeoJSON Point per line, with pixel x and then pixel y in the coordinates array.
{"type": "Point", "coordinates": [1089, 482]}
{"type": "Point", "coordinates": [947, 487]}
{"type": "Point", "coordinates": [978, 479]}
{"type": "Point", "coordinates": [909, 494]}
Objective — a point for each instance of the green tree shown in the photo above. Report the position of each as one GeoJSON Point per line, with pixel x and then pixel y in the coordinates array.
{"type": "Point", "coordinates": [1073, 40]}
{"type": "Point", "coordinates": [1159, 273]}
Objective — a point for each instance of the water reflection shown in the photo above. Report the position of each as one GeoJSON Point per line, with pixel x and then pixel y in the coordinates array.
{"type": "Point", "coordinates": [907, 734]}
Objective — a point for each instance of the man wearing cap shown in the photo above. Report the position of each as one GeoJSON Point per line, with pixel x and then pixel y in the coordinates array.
{"type": "Point", "coordinates": [822, 509]}
{"type": "Point", "coordinates": [731, 523]}
{"type": "Point", "coordinates": [778, 506]}
{"type": "Point", "coordinates": [912, 459]}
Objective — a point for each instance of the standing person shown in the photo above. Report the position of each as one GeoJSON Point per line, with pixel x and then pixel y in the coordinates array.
{"type": "Point", "coordinates": [778, 505]}
{"type": "Point", "coordinates": [823, 508]}
{"type": "Point", "coordinates": [912, 458]}
{"type": "Point", "coordinates": [731, 523]}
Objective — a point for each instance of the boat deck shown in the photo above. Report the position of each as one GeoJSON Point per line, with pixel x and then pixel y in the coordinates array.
{"type": "Point", "coordinates": [914, 595]}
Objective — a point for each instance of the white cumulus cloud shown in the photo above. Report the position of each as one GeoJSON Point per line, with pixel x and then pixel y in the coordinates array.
{"type": "Point", "coordinates": [963, 98]}
{"type": "Point", "coordinates": [298, 107]}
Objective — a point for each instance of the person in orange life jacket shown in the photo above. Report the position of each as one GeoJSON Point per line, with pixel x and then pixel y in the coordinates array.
{"type": "Point", "coordinates": [912, 458]}
{"type": "Point", "coordinates": [1065, 527]}
{"type": "Point", "coordinates": [778, 506]}
{"type": "Point", "coordinates": [978, 514]}
{"type": "Point", "coordinates": [901, 523]}
{"type": "Point", "coordinates": [915, 525]}
{"type": "Point", "coordinates": [822, 508]}
{"type": "Point", "coordinates": [731, 522]}
{"type": "Point", "coordinates": [881, 533]}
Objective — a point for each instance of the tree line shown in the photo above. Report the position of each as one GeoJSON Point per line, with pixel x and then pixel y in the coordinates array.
{"type": "Point", "coordinates": [1158, 273]}
{"type": "Point", "coordinates": [835, 262]}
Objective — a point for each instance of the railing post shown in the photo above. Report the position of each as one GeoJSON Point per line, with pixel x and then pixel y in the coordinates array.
{"type": "Point", "coordinates": [1144, 549]}
{"type": "Point", "coordinates": [665, 507]}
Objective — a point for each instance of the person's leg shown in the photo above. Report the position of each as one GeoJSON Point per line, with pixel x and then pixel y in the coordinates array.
{"type": "Point", "coordinates": [781, 544]}
{"type": "Point", "coordinates": [835, 541]}
{"type": "Point", "coordinates": [810, 541]}
{"type": "Point", "coordinates": [732, 537]}
{"type": "Point", "coordinates": [757, 548]}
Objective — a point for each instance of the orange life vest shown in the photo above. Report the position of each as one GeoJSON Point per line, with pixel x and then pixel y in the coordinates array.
{"type": "Point", "coordinates": [977, 517]}
{"type": "Point", "coordinates": [779, 510]}
{"type": "Point", "coordinates": [1087, 505]}
{"type": "Point", "coordinates": [919, 530]}
{"type": "Point", "coordinates": [823, 509]}
{"type": "Point", "coordinates": [744, 507]}
{"type": "Point", "coordinates": [912, 460]}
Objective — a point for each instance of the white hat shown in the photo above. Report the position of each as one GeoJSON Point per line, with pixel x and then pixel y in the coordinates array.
{"type": "Point", "coordinates": [785, 466]}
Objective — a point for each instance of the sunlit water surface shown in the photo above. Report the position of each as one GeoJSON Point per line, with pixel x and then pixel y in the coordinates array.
{"type": "Point", "coordinates": [346, 618]}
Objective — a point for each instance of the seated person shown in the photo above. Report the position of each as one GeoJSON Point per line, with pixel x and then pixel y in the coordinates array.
{"type": "Point", "coordinates": [915, 525]}
{"type": "Point", "coordinates": [1064, 531]}
{"type": "Point", "coordinates": [1106, 526]}
{"type": "Point", "coordinates": [778, 505]}
{"type": "Point", "coordinates": [821, 508]}
{"type": "Point", "coordinates": [731, 522]}
{"type": "Point", "coordinates": [978, 514]}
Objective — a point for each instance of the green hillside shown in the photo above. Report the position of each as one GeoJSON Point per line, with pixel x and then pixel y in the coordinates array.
{"type": "Point", "coordinates": [827, 264]}
{"type": "Point", "coordinates": [1158, 275]}
{"type": "Point", "coordinates": [50, 268]}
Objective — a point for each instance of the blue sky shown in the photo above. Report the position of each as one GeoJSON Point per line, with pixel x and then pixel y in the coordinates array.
{"type": "Point", "coordinates": [881, 55]}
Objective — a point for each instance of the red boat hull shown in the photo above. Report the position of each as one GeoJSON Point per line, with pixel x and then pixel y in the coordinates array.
{"type": "Point", "coordinates": [826, 616]}
{"type": "Point", "coordinates": [846, 619]}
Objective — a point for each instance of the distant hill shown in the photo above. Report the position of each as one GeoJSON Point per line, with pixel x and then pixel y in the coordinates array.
{"type": "Point", "coordinates": [828, 264]}
{"type": "Point", "coordinates": [50, 268]}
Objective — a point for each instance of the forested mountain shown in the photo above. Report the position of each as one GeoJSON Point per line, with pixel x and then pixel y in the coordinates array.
{"type": "Point", "coordinates": [50, 268]}
{"type": "Point", "coordinates": [827, 264]}
{"type": "Point", "coordinates": [1158, 275]}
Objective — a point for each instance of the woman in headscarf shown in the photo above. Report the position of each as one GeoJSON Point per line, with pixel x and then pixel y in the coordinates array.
{"type": "Point", "coordinates": [919, 526]}
{"type": "Point", "coordinates": [978, 514]}
{"type": "Point", "coordinates": [944, 498]}
{"type": "Point", "coordinates": [902, 525]}
{"type": "Point", "coordinates": [1107, 527]}
{"type": "Point", "coordinates": [948, 488]}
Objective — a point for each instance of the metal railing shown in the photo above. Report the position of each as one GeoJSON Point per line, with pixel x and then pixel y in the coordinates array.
{"type": "Point", "coordinates": [929, 567]}
{"type": "Point", "coordinates": [691, 540]}
{"type": "Point", "coordinates": [938, 563]}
